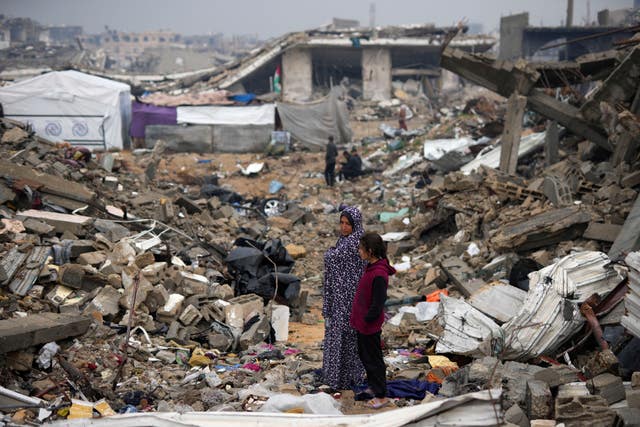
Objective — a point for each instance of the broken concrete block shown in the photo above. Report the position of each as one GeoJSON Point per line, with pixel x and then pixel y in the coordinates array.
{"type": "Point", "coordinates": [176, 331]}
{"type": "Point", "coordinates": [20, 361]}
{"type": "Point", "coordinates": [296, 251]}
{"type": "Point", "coordinates": [112, 230]}
{"type": "Point", "coordinates": [224, 292]}
{"type": "Point", "coordinates": [105, 303]}
{"type": "Point", "coordinates": [171, 309]}
{"type": "Point", "coordinates": [633, 398]}
{"type": "Point", "coordinates": [38, 227]}
{"type": "Point", "coordinates": [436, 276]}
{"type": "Point", "coordinates": [584, 410]}
{"type": "Point", "coordinates": [629, 238]}
{"type": "Point", "coordinates": [601, 362]}
{"type": "Point", "coordinates": [635, 380]}
{"type": "Point", "coordinates": [189, 205]}
{"type": "Point", "coordinates": [166, 356]}
{"type": "Point", "coordinates": [122, 253]}
{"type": "Point", "coordinates": [514, 381]}
{"type": "Point", "coordinates": [16, 334]}
{"type": "Point", "coordinates": [631, 180]}
{"type": "Point", "coordinates": [257, 333]}
{"type": "Point", "coordinates": [190, 315]}
{"type": "Point", "coordinates": [557, 375]}
{"type": "Point", "coordinates": [157, 298]}
{"type": "Point", "coordinates": [241, 307]}
{"type": "Point", "coordinates": [628, 417]}
{"type": "Point", "coordinates": [602, 232]}
{"type": "Point", "coordinates": [77, 276]}
{"type": "Point", "coordinates": [192, 284]}
{"type": "Point", "coordinates": [145, 259]}
{"type": "Point", "coordinates": [14, 135]}
{"type": "Point", "coordinates": [515, 415]}
{"type": "Point", "coordinates": [92, 258]}
{"type": "Point", "coordinates": [538, 400]}
{"type": "Point", "coordinates": [144, 288]}
{"type": "Point", "coordinates": [543, 229]}
{"type": "Point", "coordinates": [284, 224]}
{"type": "Point", "coordinates": [78, 247]}
{"type": "Point", "coordinates": [219, 341]}
{"type": "Point", "coordinates": [608, 386]}
{"type": "Point", "coordinates": [461, 275]}
{"type": "Point", "coordinates": [62, 222]}
{"type": "Point", "coordinates": [153, 272]}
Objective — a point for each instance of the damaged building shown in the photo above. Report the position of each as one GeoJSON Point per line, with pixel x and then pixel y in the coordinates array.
{"type": "Point", "coordinates": [166, 285]}
{"type": "Point", "coordinates": [323, 58]}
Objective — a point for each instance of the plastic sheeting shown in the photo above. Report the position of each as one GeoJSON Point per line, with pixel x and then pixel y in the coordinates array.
{"type": "Point", "coordinates": [254, 115]}
{"type": "Point", "coordinates": [147, 114]}
{"type": "Point", "coordinates": [481, 408]}
{"type": "Point", "coordinates": [313, 123]}
{"type": "Point", "coordinates": [72, 106]}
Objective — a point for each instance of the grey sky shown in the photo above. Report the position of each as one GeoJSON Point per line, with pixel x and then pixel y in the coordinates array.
{"type": "Point", "coordinates": [269, 18]}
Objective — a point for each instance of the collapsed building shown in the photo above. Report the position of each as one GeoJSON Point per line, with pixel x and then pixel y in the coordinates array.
{"type": "Point", "coordinates": [148, 283]}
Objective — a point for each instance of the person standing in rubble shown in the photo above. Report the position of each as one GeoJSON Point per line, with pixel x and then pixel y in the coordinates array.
{"type": "Point", "coordinates": [343, 268]}
{"type": "Point", "coordinates": [330, 162]}
{"type": "Point", "coordinates": [367, 314]}
{"type": "Point", "coordinates": [402, 117]}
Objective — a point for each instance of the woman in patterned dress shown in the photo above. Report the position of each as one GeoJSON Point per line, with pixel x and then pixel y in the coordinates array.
{"type": "Point", "coordinates": [343, 267]}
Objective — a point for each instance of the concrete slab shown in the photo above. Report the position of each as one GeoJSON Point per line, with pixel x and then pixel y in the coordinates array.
{"type": "Point", "coordinates": [19, 333]}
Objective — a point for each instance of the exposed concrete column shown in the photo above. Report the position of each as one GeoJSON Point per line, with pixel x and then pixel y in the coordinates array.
{"type": "Point", "coordinates": [511, 35]}
{"type": "Point", "coordinates": [510, 139]}
{"type": "Point", "coordinates": [376, 74]}
{"type": "Point", "coordinates": [552, 142]}
{"type": "Point", "coordinates": [297, 83]}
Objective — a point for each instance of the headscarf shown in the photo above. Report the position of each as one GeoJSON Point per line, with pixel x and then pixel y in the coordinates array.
{"type": "Point", "coordinates": [343, 268]}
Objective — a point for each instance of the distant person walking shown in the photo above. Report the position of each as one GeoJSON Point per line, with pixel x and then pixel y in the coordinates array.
{"type": "Point", "coordinates": [330, 162]}
{"type": "Point", "coordinates": [343, 268]}
{"type": "Point", "coordinates": [367, 314]}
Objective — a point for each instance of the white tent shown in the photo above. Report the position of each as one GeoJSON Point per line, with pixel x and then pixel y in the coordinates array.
{"type": "Point", "coordinates": [72, 106]}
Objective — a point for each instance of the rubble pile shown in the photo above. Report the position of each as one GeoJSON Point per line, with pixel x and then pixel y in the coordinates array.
{"type": "Point", "coordinates": [156, 282]}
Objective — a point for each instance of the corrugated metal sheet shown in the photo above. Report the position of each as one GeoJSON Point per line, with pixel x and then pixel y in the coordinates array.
{"type": "Point", "coordinates": [631, 319]}
{"type": "Point", "coordinates": [499, 300]}
{"type": "Point", "coordinates": [466, 330]}
{"type": "Point", "coordinates": [550, 314]}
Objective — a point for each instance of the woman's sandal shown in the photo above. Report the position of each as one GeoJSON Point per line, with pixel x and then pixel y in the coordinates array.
{"type": "Point", "coordinates": [377, 403]}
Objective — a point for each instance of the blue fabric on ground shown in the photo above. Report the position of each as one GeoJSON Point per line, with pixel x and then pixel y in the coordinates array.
{"type": "Point", "coordinates": [408, 389]}
{"type": "Point", "coordinates": [243, 97]}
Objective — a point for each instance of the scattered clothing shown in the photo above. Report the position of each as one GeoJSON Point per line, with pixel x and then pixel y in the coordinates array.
{"type": "Point", "coordinates": [408, 389]}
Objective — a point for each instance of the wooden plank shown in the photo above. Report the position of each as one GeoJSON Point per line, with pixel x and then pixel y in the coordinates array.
{"type": "Point", "coordinates": [19, 333]}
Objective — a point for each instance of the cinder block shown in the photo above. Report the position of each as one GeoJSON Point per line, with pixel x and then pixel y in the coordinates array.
{"type": "Point", "coordinates": [240, 307]}
{"type": "Point", "coordinates": [538, 400]}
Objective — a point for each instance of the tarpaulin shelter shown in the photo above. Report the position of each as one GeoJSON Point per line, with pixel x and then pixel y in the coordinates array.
{"type": "Point", "coordinates": [313, 123]}
{"type": "Point", "coordinates": [148, 114]}
{"type": "Point", "coordinates": [72, 106]}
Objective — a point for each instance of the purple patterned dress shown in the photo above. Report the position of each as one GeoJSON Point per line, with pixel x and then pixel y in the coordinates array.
{"type": "Point", "coordinates": [341, 366]}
